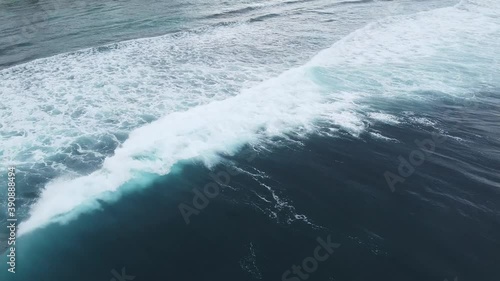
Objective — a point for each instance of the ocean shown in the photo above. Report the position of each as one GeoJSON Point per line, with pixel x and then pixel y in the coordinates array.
{"type": "Point", "coordinates": [251, 140]}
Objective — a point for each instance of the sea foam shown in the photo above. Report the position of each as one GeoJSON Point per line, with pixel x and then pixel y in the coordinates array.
{"type": "Point", "coordinates": [449, 51]}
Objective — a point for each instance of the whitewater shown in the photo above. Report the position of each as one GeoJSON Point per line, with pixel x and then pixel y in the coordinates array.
{"type": "Point", "coordinates": [447, 50]}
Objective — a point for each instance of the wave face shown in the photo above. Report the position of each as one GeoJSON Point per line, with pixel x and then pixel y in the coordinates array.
{"type": "Point", "coordinates": [403, 56]}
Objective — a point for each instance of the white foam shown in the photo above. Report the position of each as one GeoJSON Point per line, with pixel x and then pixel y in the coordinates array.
{"type": "Point", "coordinates": [422, 121]}
{"type": "Point", "coordinates": [382, 137]}
{"type": "Point", "coordinates": [448, 50]}
{"type": "Point", "coordinates": [397, 56]}
{"type": "Point", "coordinates": [53, 103]}
{"type": "Point", "coordinates": [384, 117]}
{"type": "Point", "coordinates": [274, 108]}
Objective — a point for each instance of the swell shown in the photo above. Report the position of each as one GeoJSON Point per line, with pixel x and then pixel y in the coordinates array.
{"type": "Point", "coordinates": [326, 89]}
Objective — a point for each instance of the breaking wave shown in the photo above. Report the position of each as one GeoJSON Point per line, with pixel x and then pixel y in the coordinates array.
{"type": "Point", "coordinates": [399, 56]}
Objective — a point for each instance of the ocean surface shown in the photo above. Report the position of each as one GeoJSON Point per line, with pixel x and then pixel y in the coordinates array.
{"type": "Point", "coordinates": [251, 140]}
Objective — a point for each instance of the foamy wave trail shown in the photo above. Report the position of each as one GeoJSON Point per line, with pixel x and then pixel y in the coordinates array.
{"type": "Point", "coordinates": [81, 105]}
{"type": "Point", "coordinates": [274, 108]}
{"type": "Point", "coordinates": [450, 51]}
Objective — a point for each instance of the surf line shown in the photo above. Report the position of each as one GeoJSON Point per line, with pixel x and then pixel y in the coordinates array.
{"type": "Point", "coordinates": [11, 219]}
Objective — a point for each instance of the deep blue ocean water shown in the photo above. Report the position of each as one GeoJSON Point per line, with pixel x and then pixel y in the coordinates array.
{"type": "Point", "coordinates": [229, 145]}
